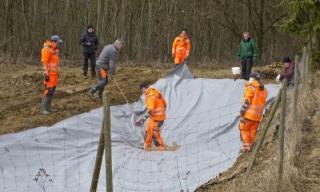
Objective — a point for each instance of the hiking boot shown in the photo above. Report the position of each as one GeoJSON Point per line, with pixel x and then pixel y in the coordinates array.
{"type": "Point", "coordinates": [84, 77]}
{"type": "Point", "coordinates": [147, 147]}
{"type": "Point", "coordinates": [161, 148]}
{"type": "Point", "coordinates": [245, 148]}
{"type": "Point", "coordinates": [90, 93]}
{"type": "Point", "coordinates": [45, 112]}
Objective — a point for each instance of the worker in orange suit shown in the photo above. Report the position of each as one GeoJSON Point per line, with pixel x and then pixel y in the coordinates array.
{"type": "Point", "coordinates": [252, 109]}
{"type": "Point", "coordinates": [50, 61]}
{"type": "Point", "coordinates": [156, 114]}
{"type": "Point", "coordinates": [181, 48]}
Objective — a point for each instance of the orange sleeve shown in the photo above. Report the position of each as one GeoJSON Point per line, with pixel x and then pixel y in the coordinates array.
{"type": "Point", "coordinates": [249, 93]}
{"type": "Point", "coordinates": [45, 54]}
{"type": "Point", "coordinates": [150, 101]}
{"type": "Point", "coordinates": [188, 46]}
{"type": "Point", "coordinates": [174, 45]}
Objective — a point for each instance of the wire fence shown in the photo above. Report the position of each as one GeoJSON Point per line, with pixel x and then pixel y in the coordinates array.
{"type": "Point", "coordinates": [297, 86]}
{"type": "Point", "coordinates": [62, 157]}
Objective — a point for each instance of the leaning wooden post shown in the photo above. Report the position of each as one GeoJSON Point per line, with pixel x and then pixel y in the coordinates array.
{"type": "Point", "coordinates": [264, 132]}
{"type": "Point", "coordinates": [107, 139]}
{"type": "Point", "coordinates": [97, 165]}
{"type": "Point", "coordinates": [281, 131]}
{"type": "Point", "coordinates": [296, 90]}
{"type": "Point", "coordinates": [105, 135]}
{"type": "Point", "coordinates": [304, 71]}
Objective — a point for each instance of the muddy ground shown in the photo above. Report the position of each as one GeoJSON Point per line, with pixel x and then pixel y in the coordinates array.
{"type": "Point", "coordinates": [22, 87]}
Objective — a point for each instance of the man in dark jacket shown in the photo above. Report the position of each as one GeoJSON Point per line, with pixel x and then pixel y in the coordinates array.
{"type": "Point", "coordinates": [89, 42]}
{"type": "Point", "coordinates": [247, 54]}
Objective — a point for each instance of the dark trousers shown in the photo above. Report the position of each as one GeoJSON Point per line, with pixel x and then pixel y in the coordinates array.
{"type": "Point", "coordinates": [246, 66]}
{"type": "Point", "coordinates": [92, 57]}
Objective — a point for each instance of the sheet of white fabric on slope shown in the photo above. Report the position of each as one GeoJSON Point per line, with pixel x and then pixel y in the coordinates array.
{"type": "Point", "coordinates": [202, 119]}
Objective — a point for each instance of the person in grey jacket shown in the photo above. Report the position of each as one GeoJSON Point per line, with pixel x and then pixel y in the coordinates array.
{"type": "Point", "coordinates": [89, 42]}
{"type": "Point", "coordinates": [106, 65]}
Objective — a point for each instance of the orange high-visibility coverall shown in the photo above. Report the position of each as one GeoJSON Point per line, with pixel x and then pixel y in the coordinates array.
{"type": "Point", "coordinates": [256, 97]}
{"type": "Point", "coordinates": [180, 49]}
{"type": "Point", "coordinates": [50, 60]}
{"type": "Point", "coordinates": [156, 107]}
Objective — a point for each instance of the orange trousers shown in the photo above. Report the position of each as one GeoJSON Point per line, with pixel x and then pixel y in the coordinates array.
{"type": "Point", "coordinates": [248, 130]}
{"type": "Point", "coordinates": [51, 84]}
{"type": "Point", "coordinates": [179, 58]}
{"type": "Point", "coordinates": [153, 131]}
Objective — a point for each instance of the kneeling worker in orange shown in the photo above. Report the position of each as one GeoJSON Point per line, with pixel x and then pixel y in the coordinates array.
{"type": "Point", "coordinates": [156, 114]}
{"type": "Point", "coordinates": [251, 112]}
{"type": "Point", "coordinates": [50, 60]}
{"type": "Point", "coordinates": [181, 48]}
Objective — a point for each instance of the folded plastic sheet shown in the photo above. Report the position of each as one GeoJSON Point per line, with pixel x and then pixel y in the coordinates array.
{"type": "Point", "coordinates": [202, 124]}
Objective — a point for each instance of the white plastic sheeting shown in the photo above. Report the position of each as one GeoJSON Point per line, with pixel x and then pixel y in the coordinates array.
{"type": "Point", "coordinates": [202, 120]}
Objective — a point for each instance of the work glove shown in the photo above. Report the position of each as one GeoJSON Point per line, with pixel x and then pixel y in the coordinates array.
{"type": "Point", "coordinates": [104, 68]}
{"type": "Point", "coordinates": [278, 78]}
{"type": "Point", "coordinates": [140, 121]}
{"type": "Point", "coordinates": [186, 60]}
{"type": "Point", "coordinates": [46, 77]}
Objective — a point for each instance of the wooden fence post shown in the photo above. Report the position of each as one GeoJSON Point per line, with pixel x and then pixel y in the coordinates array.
{"type": "Point", "coordinates": [107, 139]}
{"type": "Point", "coordinates": [97, 165]}
{"type": "Point", "coordinates": [296, 90]}
{"type": "Point", "coordinates": [104, 146]}
{"type": "Point", "coordinates": [264, 132]}
{"type": "Point", "coordinates": [304, 71]}
{"type": "Point", "coordinates": [281, 131]}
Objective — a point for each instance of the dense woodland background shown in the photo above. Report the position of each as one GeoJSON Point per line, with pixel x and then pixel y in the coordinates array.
{"type": "Point", "coordinates": [149, 27]}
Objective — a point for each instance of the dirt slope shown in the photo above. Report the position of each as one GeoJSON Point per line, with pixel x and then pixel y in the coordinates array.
{"type": "Point", "coordinates": [21, 89]}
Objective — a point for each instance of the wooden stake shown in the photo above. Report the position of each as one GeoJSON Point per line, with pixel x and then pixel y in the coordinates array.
{"type": "Point", "coordinates": [296, 90]}
{"type": "Point", "coordinates": [104, 145]}
{"type": "Point", "coordinates": [281, 131]}
{"type": "Point", "coordinates": [97, 166]}
{"type": "Point", "coordinates": [107, 139]}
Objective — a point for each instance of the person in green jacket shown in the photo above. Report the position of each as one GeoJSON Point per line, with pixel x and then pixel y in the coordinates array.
{"type": "Point", "coordinates": [247, 54]}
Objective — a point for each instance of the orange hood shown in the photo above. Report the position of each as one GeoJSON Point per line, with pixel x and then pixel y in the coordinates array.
{"type": "Point", "coordinates": [255, 83]}
{"type": "Point", "coordinates": [185, 37]}
{"type": "Point", "coordinates": [153, 91]}
{"type": "Point", "coordinates": [48, 43]}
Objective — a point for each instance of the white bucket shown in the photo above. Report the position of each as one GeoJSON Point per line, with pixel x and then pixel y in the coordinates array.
{"type": "Point", "coordinates": [236, 70]}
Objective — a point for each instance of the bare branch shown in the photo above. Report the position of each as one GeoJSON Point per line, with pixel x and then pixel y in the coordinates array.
{"type": "Point", "coordinates": [274, 22]}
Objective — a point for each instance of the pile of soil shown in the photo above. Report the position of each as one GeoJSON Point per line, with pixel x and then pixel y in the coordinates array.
{"type": "Point", "coordinates": [270, 71]}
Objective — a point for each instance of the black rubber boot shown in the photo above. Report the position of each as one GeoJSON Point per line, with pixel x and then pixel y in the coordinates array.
{"type": "Point", "coordinates": [44, 106]}
{"type": "Point", "coordinates": [50, 105]}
